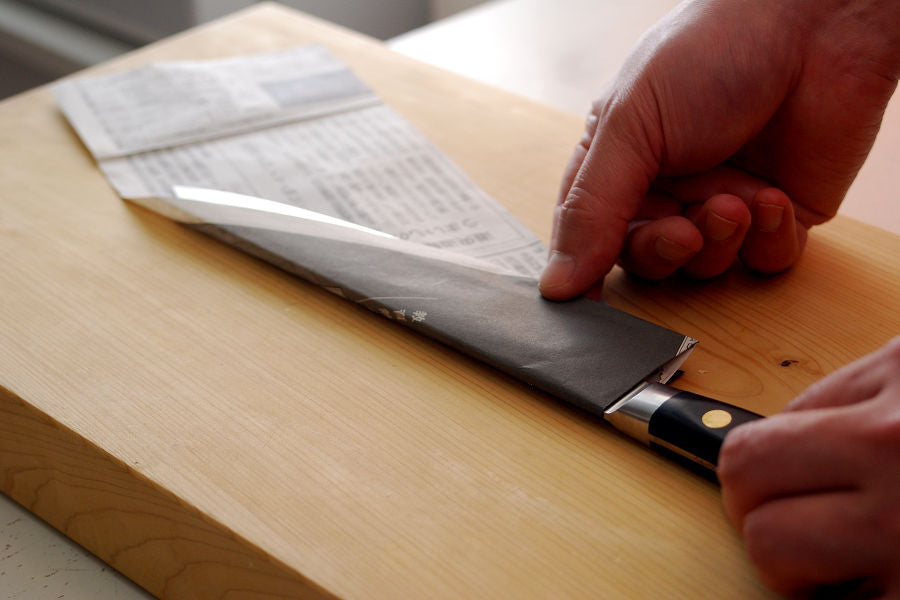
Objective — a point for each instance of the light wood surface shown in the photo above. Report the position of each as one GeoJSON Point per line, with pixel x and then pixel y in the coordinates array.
{"type": "Point", "coordinates": [215, 428]}
{"type": "Point", "coordinates": [564, 53]}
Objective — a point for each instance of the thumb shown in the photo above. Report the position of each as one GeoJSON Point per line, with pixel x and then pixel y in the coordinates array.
{"type": "Point", "coordinates": [606, 185]}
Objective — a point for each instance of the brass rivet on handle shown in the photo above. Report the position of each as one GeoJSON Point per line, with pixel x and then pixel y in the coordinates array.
{"type": "Point", "coordinates": [716, 418]}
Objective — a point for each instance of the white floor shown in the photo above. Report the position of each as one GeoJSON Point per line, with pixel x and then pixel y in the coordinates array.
{"type": "Point", "coordinates": [39, 563]}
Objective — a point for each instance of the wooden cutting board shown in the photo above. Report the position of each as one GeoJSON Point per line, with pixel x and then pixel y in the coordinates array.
{"type": "Point", "coordinates": [214, 428]}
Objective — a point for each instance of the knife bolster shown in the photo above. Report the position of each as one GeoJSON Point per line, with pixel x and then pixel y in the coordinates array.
{"type": "Point", "coordinates": [632, 414]}
{"type": "Point", "coordinates": [677, 422]}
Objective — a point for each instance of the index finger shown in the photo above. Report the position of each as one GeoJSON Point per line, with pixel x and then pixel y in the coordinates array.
{"type": "Point", "coordinates": [858, 381]}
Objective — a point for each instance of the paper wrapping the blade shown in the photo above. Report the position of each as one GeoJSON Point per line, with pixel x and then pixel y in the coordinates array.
{"type": "Point", "coordinates": [582, 351]}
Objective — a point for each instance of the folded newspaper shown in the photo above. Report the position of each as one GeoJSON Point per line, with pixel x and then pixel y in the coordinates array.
{"type": "Point", "coordinates": [296, 148]}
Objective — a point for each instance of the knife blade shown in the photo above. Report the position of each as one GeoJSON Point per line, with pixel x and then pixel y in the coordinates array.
{"type": "Point", "coordinates": [675, 422]}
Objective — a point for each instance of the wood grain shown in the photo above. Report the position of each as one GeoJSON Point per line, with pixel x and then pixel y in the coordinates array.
{"type": "Point", "coordinates": [215, 428]}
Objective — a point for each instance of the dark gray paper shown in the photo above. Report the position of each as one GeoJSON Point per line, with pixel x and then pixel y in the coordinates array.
{"type": "Point", "coordinates": [582, 351]}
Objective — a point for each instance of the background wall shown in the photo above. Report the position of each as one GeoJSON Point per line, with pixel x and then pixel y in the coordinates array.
{"type": "Point", "coordinates": [445, 8]}
{"type": "Point", "coordinates": [42, 40]}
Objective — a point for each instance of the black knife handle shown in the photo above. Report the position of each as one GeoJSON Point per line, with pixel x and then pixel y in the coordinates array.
{"type": "Point", "coordinates": [688, 425]}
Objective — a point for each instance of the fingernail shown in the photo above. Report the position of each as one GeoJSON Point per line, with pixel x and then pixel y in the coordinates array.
{"type": "Point", "coordinates": [768, 217]}
{"type": "Point", "coordinates": [558, 271]}
{"type": "Point", "coordinates": [671, 251]}
{"type": "Point", "coordinates": [718, 227]}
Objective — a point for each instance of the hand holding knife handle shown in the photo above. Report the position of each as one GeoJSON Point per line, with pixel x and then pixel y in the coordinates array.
{"type": "Point", "coordinates": [671, 420]}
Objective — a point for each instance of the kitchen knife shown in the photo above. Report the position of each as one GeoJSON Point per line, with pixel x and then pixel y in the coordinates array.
{"type": "Point", "coordinates": [582, 351]}
{"type": "Point", "coordinates": [673, 421]}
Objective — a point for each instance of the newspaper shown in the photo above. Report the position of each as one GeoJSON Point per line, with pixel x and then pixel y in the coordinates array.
{"type": "Point", "coordinates": [295, 127]}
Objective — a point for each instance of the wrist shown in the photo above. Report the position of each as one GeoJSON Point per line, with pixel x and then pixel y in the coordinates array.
{"type": "Point", "coordinates": [861, 33]}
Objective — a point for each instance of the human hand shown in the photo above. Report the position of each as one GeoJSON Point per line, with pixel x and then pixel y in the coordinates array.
{"type": "Point", "coordinates": [815, 491]}
{"type": "Point", "coordinates": [733, 127]}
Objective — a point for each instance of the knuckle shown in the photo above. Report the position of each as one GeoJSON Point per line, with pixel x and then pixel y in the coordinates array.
{"type": "Point", "coordinates": [590, 130]}
{"type": "Point", "coordinates": [883, 431]}
{"type": "Point", "coordinates": [809, 397]}
{"type": "Point", "coordinates": [584, 208]}
{"type": "Point", "coordinates": [880, 417]}
{"type": "Point", "coordinates": [600, 107]}
{"type": "Point", "coordinates": [580, 206]}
